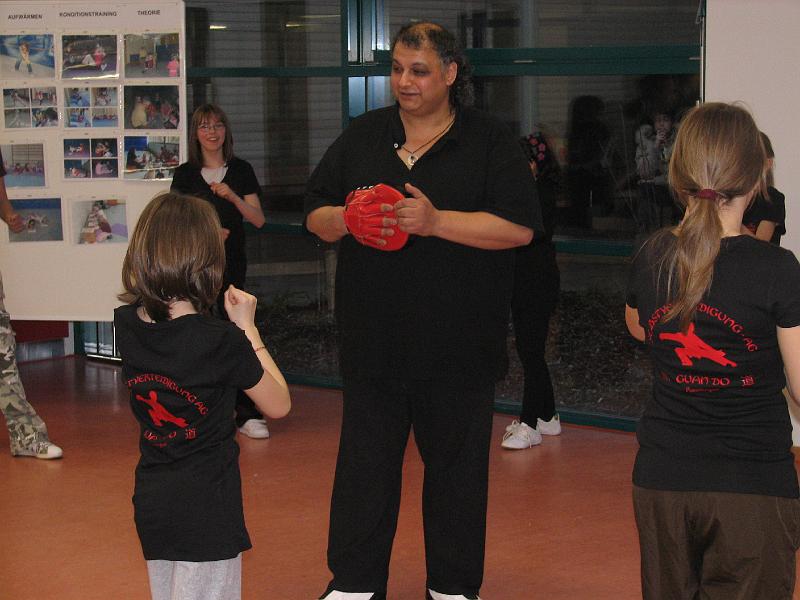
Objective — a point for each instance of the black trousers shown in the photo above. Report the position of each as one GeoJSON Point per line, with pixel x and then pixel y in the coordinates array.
{"type": "Point", "coordinates": [452, 422]}
{"type": "Point", "coordinates": [536, 286]}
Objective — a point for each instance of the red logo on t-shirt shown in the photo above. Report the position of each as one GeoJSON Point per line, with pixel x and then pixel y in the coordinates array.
{"type": "Point", "coordinates": [694, 347]}
{"type": "Point", "coordinates": [158, 413]}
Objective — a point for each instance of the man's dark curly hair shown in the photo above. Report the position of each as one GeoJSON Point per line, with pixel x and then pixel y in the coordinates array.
{"type": "Point", "coordinates": [441, 41]}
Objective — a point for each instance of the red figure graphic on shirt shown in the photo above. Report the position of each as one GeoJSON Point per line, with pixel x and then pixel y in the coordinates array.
{"type": "Point", "coordinates": [694, 347]}
{"type": "Point", "coordinates": [158, 413]}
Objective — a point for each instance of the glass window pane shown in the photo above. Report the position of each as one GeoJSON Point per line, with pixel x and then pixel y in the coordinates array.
{"type": "Point", "coordinates": [283, 127]}
{"type": "Point", "coordinates": [105, 339]}
{"type": "Point", "coordinates": [551, 23]}
{"type": "Point", "coordinates": [292, 275]}
{"type": "Point", "coordinates": [89, 337]}
{"type": "Point", "coordinates": [587, 329]}
{"type": "Point", "coordinates": [594, 125]}
{"type": "Point", "coordinates": [280, 126]}
{"type": "Point", "coordinates": [267, 33]}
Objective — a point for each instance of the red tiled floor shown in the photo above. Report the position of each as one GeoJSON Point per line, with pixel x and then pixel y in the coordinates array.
{"type": "Point", "coordinates": [560, 518]}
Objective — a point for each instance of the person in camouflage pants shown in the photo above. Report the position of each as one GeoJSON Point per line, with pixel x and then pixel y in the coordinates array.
{"type": "Point", "coordinates": [27, 431]}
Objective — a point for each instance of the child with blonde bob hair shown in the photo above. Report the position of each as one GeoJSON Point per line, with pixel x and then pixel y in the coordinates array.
{"type": "Point", "coordinates": [183, 368]}
{"type": "Point", "coordinates": [715, 488]}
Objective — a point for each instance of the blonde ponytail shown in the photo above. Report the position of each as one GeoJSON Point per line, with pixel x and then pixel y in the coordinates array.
{"type": "Point", "coordinates": [718, 155]}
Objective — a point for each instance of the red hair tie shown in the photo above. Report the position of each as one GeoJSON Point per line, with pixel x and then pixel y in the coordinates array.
{"type": "Point", "coordinates": [707, 193]}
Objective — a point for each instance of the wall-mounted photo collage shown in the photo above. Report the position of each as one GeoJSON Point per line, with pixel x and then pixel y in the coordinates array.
{"type": "Point", "coordinates": [87, 58]}
{"type": "Point", "coordinates": [91, 106]}
{"type": "Point", "coordinates": [26, 108]}
{"type": "Point", "coordinates": [91, 158]}
{"type": "Point", "coordinates": [63, 82]}
{"type": "Point", "coordinates": [94, 221]}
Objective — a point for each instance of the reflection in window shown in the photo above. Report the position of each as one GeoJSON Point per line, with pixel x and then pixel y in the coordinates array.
{"type": "Point", "coordinates": [593, 123]}
{"type": "Point", "coordinates": [552, 23]}
{"type": "Point", "coordinates": [265, 33]}
{"type": "Point", "coordinates": [282, 126]}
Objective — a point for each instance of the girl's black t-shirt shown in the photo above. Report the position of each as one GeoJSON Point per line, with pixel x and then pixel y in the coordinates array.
{"type": "Point", "coordinates": [241, 178]}
{"type": "Point", "coordinates": [717, 419]}
{"type": "Point", "coordinates": [183, 376]}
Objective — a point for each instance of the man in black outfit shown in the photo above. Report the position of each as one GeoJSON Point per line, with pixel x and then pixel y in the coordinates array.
{"type": "Point", "coordinates": [421, 330]}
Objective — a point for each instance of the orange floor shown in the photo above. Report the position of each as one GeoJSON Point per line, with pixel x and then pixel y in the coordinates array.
{"type": "Point", "coordinates": [560, 519]}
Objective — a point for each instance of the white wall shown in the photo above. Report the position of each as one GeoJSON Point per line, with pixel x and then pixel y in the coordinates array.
{"type": "Point", "coordinates": [752, 52]}
{"type": "Point", "coordinates": [752, 55]}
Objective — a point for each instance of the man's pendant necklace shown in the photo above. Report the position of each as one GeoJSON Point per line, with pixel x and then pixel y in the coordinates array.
{"type": "Point", "coordinates": [412, 154]}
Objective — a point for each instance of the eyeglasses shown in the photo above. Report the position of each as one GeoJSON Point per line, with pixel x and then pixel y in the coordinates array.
{"type": "Point", "coordinates": [205, 127]}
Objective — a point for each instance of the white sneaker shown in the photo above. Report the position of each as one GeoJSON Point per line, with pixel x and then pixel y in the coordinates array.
{"type": "Point", "coordinates": [439, 596]}
{"type": "Point", "coordinates": [551, 427]}
{"type": "Point", "coordinates": [255, 428]}
{"type": "Point", "coordinates": [519, 436]}
{"type": "Point", "coordinates": [337, 595]}
{"type": "Point", "coordinates": [43, 450]}
{"type": "Point", "coordinates": [51, 452]}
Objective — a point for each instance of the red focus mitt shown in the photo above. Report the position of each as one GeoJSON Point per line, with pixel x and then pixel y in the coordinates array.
{"type": "Point", "coordinates": [364, 218]}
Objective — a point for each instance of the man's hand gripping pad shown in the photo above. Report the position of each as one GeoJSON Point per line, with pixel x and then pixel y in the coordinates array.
{"type": "Point", "coordinates": [364, 219]}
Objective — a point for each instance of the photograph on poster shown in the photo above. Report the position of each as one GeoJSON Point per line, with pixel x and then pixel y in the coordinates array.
{"type": "Point", "coordinates": [27, 57]}
{"type": "Point", "coordinates": [16, 97]}
{"type": "Point", "coordinates": [45, 117]}
{"type": "Point", "coordinates": [104, 148]}
{"type": "Point", "coordinates": [78, 117]}
{"type": "Point", "coordinates": [77, 169]}
{"type": "Point", "coordinates": [104, 96]}
{"type": "Point", "coordinates": [99, 221]}
{"type": "Point", "coordinates": [17, 118]}
{"type": "Point", "coordinates": [30, 107]}
{"type": "Point", "coordinates": [105, 117]}
{"type": "Point", "coordinates": [105, 168]}
{"type": "Point", "coordinates": [42, 218]}
{"type": "Point", "coordinates": [88, 56]}
{"type": "Point", "coordinates": [76, 147]}
{"type": "Point", "coordinates": [43, 96]}
{"type": "Point", "coordinates": [105, 103]}
{"type": "Point", "coordinates": [24, 164]}
{"type": "Point", "coordinates": [77, 97]}
{"type": "Point", "coordinates": [151, 157]}
{"type": "Point", "coordinates": [102, 152]}
{"type": "Point", "coordinates": [151, 107]}
{"type": "Point", "coordinates": [152, 55]}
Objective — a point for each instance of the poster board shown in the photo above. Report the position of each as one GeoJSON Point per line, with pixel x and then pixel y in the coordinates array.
{"type": "Point", "coordinates": [92, 127]}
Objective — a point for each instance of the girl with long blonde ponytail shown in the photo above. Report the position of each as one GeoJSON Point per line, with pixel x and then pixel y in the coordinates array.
{"type": "Point", "coordinates": [718, 158]}
{"type": "Point", "coordinates": [715, 489]}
